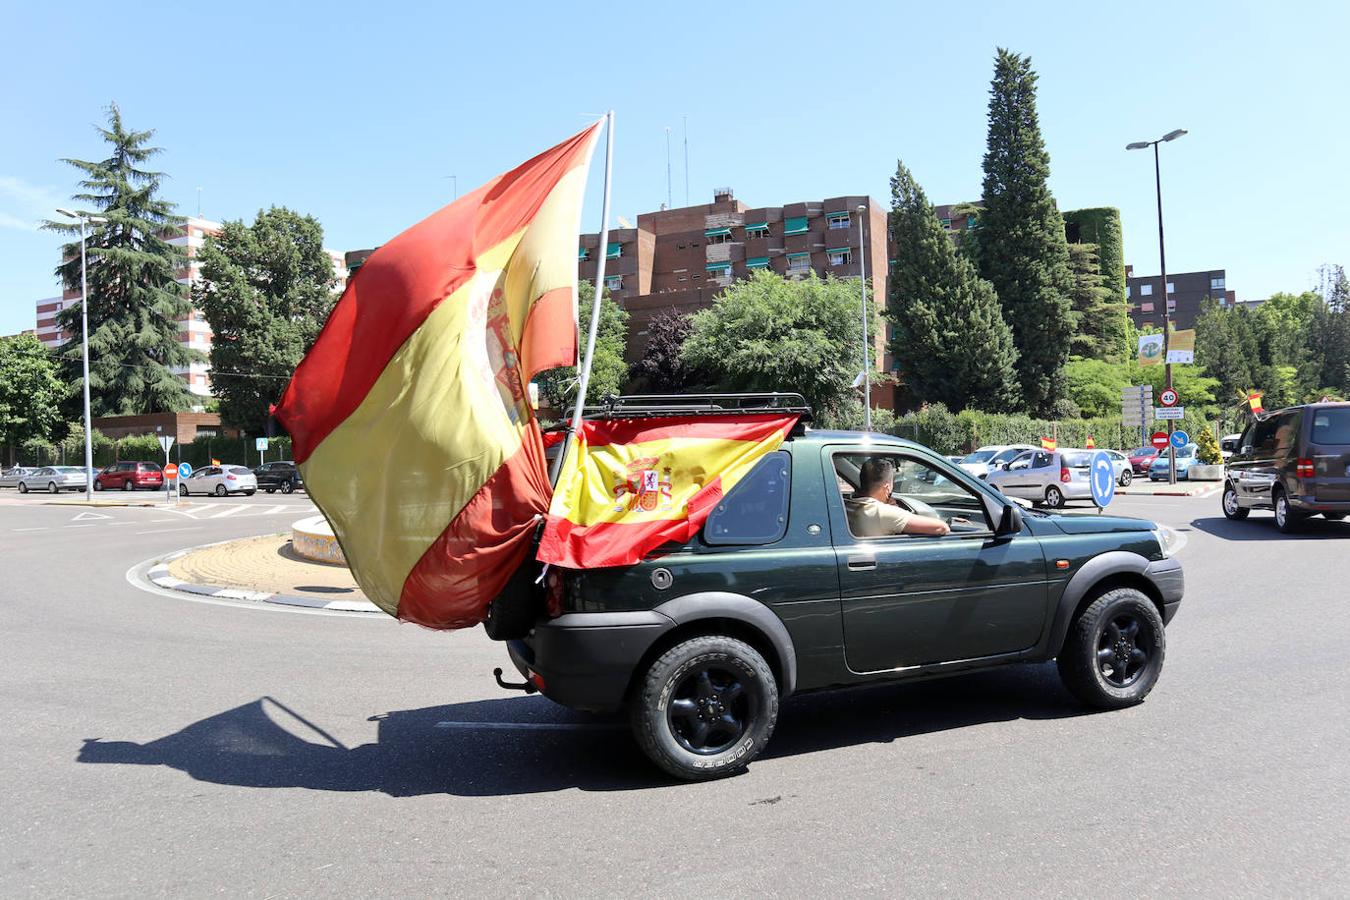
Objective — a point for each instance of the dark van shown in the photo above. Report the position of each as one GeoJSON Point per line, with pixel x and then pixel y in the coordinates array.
{"type": "Point", "coordinates": [1295, 462]}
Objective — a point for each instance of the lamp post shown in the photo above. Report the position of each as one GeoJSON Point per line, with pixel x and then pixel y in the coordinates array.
{"type": "Point", "coordinates": [867, 356]}
{"type": "Point", "coordinates": [85, 219]}
{"type": "Point", "coordinates": [1162, 265]}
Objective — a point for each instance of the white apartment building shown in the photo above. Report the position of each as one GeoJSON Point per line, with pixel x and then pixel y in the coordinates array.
{"type": "Point", "coordinates": [193, 329]}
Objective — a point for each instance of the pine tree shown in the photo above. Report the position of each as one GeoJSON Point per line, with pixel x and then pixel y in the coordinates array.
{"type": "Point", "coordinates": [135, 301]}
{"type": "Point", "coordinates": [950, 341]}
{"type": "Point", "coordinates": [1023, 252]}
{"type": "Point", "coordinates": [1093, 310]}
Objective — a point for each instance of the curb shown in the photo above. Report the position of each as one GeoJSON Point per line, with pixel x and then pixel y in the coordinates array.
{"type": "Point", "coordinates": [158, 575]}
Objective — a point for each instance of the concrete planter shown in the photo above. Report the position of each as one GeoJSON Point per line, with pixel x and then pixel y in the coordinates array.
{"type": "Point", "coordinates": [1206, 473]}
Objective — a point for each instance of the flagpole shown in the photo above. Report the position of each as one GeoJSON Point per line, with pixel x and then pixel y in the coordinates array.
{"type": "Point", "coordinates": [602, 253]}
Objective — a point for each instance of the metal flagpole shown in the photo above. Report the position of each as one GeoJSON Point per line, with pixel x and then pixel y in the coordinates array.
{"type": "Point", "coordinates": [867, 351]}
{"type": "Point", "coordinates": [603, 249]}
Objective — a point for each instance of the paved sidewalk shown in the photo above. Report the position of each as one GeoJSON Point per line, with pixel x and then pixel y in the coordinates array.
{"type": "Point", "coordinates": [1142, 486]}
{"type": "Point", "coordinates": [265, 569]}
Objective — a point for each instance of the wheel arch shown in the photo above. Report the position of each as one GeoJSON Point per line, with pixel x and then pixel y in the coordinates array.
{"type": "Point", "coordinates": [1116, 569]}
{"type": "Point", "coordinates": [733, 615]}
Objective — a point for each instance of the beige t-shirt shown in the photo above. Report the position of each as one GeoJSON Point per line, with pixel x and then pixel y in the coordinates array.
{"type": "Point", "coordinates": [869, 517]}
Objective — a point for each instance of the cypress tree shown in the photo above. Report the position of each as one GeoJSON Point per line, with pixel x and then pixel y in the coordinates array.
{"type": "Point", "coordinates": [950, 340]}
{"type": "Point", "coordinates": [135, 301]}
{"type": "Point", "coordinates": [1023, 252]}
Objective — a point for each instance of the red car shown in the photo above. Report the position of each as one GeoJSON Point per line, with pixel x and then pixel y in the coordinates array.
{"type": "Point", "coordinates": [128, 476]}
{"type": "Point", "coordinates": [1141, 458]}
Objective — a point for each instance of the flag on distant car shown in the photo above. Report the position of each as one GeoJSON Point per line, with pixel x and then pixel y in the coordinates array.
{"type": "Point", "coordinates": [1090, 444]}
{"type": "Point", "coordinates": [1254, 401]}
{"type": "Point", "coordinates": [1048, 443]}
{"type": "Point", "coordinates": [630, 485]}
{"type": "Point", "coordinates": [410, 418]}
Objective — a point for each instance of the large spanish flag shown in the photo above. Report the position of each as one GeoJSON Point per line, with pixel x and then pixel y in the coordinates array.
{"type": "Point", "coordinates": [630, 485]}
{"type": "Point", "coordinates": [410, 418]}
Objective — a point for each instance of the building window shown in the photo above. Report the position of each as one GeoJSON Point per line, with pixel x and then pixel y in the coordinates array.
{"type": "Point", "coordinates": [799, 262]}
{"type": "Point", "coordinates": [758, 230]}
{"type": "Point", "coordinates": [1171, 288]}
{"type": "Point", "coordinates": [1146, 290]}
{"type": "Point", "coordinates": [837, 220]}
{"type": "Point", "coordinates": [795, 225]}
{"type": "Point", "coordinates": [615, 251]}
{"type": "Point", "coordinates": [1146, 307]}
{"type": "Point", "coordinates": [970, 221]}
{"type": "Point", "coordinates": [719, 269]}
{"type": "Point", "coordinates": [718, 235]}
{"type": "Point", "coordinates": [947, 224]}
{"type": "Point", "coordinates": [584, 254]}
{"type": "Point", "coordinates": [1129, 291]}
{"type": "Point", "coordinates": [1217, 283]}
{"type": "Point", "coordinates": [757, 262]}
{"type": "Point", "coordinates": [614, 282]}
{"type": "Point", "coordinates": [840, 256]}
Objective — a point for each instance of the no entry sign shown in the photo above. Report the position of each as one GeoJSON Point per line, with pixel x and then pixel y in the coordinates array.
{"type": "Point", "coordinates": [1159, 440]}
{"type": "Point", "coordinates": [170, 471]}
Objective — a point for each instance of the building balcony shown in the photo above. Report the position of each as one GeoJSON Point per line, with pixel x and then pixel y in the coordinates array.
{"type": "Point", "coordinates": [718, 252]}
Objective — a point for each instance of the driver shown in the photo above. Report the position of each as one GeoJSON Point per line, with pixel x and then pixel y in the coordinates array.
{"type": "Point", "coordinates": [872, 512]}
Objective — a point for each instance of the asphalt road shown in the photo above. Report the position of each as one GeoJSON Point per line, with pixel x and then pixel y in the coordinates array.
{"type": "Point", "coordinates": [160, 746]}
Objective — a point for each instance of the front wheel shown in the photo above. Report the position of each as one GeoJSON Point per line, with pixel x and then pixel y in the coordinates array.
{"type": "Point", "coordinates": [98, 485]}
{"type": "Point", "coordinates": [1054, 497]}
{"type": "Point", "coordinates": [1126, 477]}
{"type": "Point", "coordinates": [128, 486]}
{"type": "Point", "coordinates": [23, 488]}
{"type": "Point", "coordinates": [182, 490]}
{"type": "Point", "coordinates": [52, 488]}
{"type": "Point", "coordinates": [1232, 509]}
{"type": "Point", "coordinates": [1114, 651]}
{"type": "Point", "coordinates": [705, 708]}
{"type": "Point", "coordinates": [288, 487]}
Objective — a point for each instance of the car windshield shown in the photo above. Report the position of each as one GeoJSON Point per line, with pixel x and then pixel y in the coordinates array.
{"type": "Point", "coordinates": [1331, 426]}
{"type": "Point", "coordinates": [1078, 459]}
{"type": "Point", "coordinates": [979, 456]}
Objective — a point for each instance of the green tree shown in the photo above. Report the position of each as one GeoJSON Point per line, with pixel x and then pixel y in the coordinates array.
{"type": "Point", "coordinates": [661, 369]}
{"type": "Point", "coordinates": [1226, 346]}
{"type": "Point", "coordinates": [1022, 249]}
{"type": "Point", "coordinates": [30, 392]}
{"type": "Point", "coordinates": [135, 301]}
{"type": "Point", "coordinates": [950, 341]}
{"type": "Point", "coordinates": [266, 289]}
{"type": "Point", "coordinates": [609, 371]}
{"type": "Point", "coordinates": [1208, 447]}
{"type": "Point", "coordinates": [769, 333]}
{"type": "Point", "coordinates": [1097, 335]}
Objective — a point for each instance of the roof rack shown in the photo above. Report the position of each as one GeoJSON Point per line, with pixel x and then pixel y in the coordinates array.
{"type": "Point", "coordinates": [656, 405]}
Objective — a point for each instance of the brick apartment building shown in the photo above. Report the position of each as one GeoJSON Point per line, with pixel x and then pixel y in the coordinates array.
{"type": "Point", "coordinates": [1185, 293]}
{"type": "Point", "coordinates": [681, 258]}
{"type": "Point", "coordinates": [193, 329]}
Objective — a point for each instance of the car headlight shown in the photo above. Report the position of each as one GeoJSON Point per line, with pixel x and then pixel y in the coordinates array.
{"type": "Point", "coordinates": [1160, 534]}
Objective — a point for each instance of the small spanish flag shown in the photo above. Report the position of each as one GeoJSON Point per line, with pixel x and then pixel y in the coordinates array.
{"type": "Point", "coordinates": [1048, 443]}
{"type": "Point", "coordinates": [215, 462]}
{"type": "Point", "coordinates": [1091, 444]}
{"type": "Point", "coordinates": [1254, 401]}
{"type": "Point", "coordinates": [630, 485]}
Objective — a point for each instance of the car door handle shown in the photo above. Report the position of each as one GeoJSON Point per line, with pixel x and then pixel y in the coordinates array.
{"type": "Point", "coordinates": [862, 563]}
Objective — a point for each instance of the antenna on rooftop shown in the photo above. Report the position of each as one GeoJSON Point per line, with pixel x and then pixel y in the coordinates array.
{"type": "Point", "coordinates": [624, 223]}
{"type": "Point", "coordinates": [686, 160]}
{"type": "Point", "coordinates": [669, 201]}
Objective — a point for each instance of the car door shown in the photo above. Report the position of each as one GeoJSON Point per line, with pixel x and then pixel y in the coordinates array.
{"type": "Point", "coordinates": [1015, 480]}
{"type": "Point", "coordinates": [203, 481]}
{"type": "Point", "coordinates": [1036, 476]}
{"type": "Point", "coordinates": [911, 600]}
{"type": "Point", "coordinates": [1256, 462]}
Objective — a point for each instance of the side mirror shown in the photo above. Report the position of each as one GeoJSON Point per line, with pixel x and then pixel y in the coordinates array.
{"type": "Point", "coordinates": [1010, 522]}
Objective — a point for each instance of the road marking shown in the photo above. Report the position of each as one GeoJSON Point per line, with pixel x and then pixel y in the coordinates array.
{"type": "Point", "coordinates": [43, 528]}
{"type": "Point", "coordinates": [228, 511]}
{"type": "Point", "coordinates": [89, 515]}
{"type": "Point", "coordinates": [87, 525]}
{"type": "Point", "coordinates": [168, 530]}
{"type": "Point", "coordinates": [534, 726]}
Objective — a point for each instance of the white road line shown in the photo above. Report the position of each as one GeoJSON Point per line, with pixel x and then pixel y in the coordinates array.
{"type": "Point", "coordinates": [228, 511]}
{"type": "Point", "coordinates": [169, 530]}
{"type": "Point", "coordinates": [43, 528]}
{"type": "Point", "coordinates": [87, 525]}
{"type": "Point", "coordinates": [533, 726]}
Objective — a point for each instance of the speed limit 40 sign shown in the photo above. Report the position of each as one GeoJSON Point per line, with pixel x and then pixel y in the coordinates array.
{"type": "Point", "coordinates": [1168, 397]}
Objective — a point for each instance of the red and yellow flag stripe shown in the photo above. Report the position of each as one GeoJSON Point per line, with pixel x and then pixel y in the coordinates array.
{"type": "Point", "coordinates": [630, 485]}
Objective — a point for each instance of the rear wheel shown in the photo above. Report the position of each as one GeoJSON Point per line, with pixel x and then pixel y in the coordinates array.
{"type": "Point", "coordinates": [1285, 518]}
{"type": "Point", "coordinates": [23, 488]}
{"type": "Point", "coordinates": [288, 487]}
{"type": "Point", "coordinates": [52, 488]}
{"type": "Point", "coordinates": [128, 486]}
{"type": "Point", "coordinates": [271, 490]}
{"type": "Point", "coordinates": [1126, 477]}
{"type": "Point", "coordinates": [1114, 651]}
{"type": "Point", "coordinates": [705, 708]}
{"type": "Point", "coordinates": [1054, 497]}
{"type": "Point", "coordinates": [1232, 509]}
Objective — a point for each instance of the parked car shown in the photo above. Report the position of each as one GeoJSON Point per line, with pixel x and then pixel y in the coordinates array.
{"type": "Point", "coordinates": [1141, 458]}
{"type": "Point", "coordinates": [219, 480]}
{"type": "Point", "coordinates": [130, 476]}
{"type": "Point", "coordinates": [53, 479]}
{"type": "Point", "coordinates": [278, 476]}
{"type": "Point", "coordinates": [1051, 477]}
{"type": "Point", "coordinates": [1295, 462]}
{"type": "Point", "coordinates": [989, 459]}
{"type": "Point", "coordinates": [1228, 444]}
{"type": "Point", "coordinates": [10, 477]}
{"type": "Point", "coordinates": [1186, 457]}
{"type": "Point", "coordinates": [1121, 463]}
{"type": "Point", "coordinates": [701, 641]}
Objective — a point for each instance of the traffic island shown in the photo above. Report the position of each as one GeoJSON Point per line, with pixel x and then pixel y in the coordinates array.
{"type": "Point", "coordinates": [264, 569]}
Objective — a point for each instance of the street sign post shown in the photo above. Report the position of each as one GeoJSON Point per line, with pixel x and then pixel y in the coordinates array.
{"type": "Point", "coordinates": [1135, 403]}
{"type": "Point", "coordinates": [1159, 441]}
{"type": "Point", "coordinates": [1180, 439]}
{"type": "Point", "coordinates": [1103, 480]}
{"type": "Point", "coordinates": [1169, 397]}
{"type": "Point", "coordinates": [260, 444]}
{"type": "Point", "coordinates": [166, 442]}
{"type": "Point", "coordinates": [170, 471]}
{"type": "Point", "coordinates": [185, 470]}
{"type": "Point", "coordinates": [1170, 412]}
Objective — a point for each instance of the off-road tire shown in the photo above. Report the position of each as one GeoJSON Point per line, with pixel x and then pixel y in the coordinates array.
{"type": "Point", "coordinates": [1232, 509]}
{"type": "Point", "coordinates": [1286, 520]}
{"type": "Point", "coordinates": [651, 717]}
{"type": "Point", "coordinates": [1054, 497]}
{"type": "Point", "coordinates": [1081, 667]}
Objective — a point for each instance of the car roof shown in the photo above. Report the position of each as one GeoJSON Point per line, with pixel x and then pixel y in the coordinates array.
{"type": "Point", "coordinates": [814, 436]}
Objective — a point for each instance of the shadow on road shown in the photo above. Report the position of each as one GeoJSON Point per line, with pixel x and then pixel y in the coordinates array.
{"type": "Point", "coordinates": [1261, 527]}
{"type": "Point", "coordinates": [523, 745]}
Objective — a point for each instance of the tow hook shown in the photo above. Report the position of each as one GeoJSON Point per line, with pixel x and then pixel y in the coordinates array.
{"type": "Point", "coordinates": [513, 686]}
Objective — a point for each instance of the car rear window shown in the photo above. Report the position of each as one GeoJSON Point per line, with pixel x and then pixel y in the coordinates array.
{"type": "Point", "coordinates": [1078, 460]}
{"type": "Point", "coordinates": [239, 470]}
{"type": "Point", "coordinates": [1331, 426]}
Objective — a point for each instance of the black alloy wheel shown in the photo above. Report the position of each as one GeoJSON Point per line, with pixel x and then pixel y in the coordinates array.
{"type": "Point", "coordinates": [288, 487]}
{"type": "Point", "coordinates": [1123, 650]}
{"type": "Point", "coordinates": [1113, 653]}
{"type": "Point", "coordinates": [708, 709]}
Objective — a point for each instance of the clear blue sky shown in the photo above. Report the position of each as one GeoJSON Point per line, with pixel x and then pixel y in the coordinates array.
{"type": "Point", "coordinates": [356, 112]}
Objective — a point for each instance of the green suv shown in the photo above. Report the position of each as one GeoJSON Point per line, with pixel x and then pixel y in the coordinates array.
{"type": "Point", "coordinates": [776, 595]}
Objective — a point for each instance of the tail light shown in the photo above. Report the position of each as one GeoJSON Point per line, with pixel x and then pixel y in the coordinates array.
{"type": "Point", "coordinates": [229, 478]}
{"type": "Point", "coordinates": [553, 592]}
{"type": "Point", "coordinates": [1304, 469]}
{"type": "Point", "coordinates": [1065, 475]}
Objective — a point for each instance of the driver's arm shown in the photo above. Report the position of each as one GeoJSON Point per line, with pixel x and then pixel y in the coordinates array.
{"type": "Point", "coordinates": [926, 525]}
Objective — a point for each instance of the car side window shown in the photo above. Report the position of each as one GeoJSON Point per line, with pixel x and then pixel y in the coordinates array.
{"type": "Point", "coordinates": [756, 509]}
{"type": "Point", "coordinates": [1021, 462]}
{"type": "Point", "coordinates": [918, 488]}
{"type": "Point", "coordinates": [1263, 441]}
{"type": "Point", "coordinates": [1041, 460]}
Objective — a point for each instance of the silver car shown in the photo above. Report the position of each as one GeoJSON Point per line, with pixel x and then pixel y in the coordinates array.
{"type": "Point", "coordinates": [1121, 463]}
{"type": "Point", "coordinates": [53, 479]}
{"type": "Point", "coordinates": [10, 477]}
{"type": "Point", "coordinates": [219, 480]}
{"type": "Point", "coordinates": [1051, 477]}
{"type": "Point", "coordinates": [992, 458]}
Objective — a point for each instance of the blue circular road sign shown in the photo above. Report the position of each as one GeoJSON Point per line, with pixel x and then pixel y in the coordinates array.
{"type": "Point", "coordinates": [1103, 479]}
{"type": "Point", "coordinates": [184, 470]}
{"type": "Point", "coordinates": [1180, 439]}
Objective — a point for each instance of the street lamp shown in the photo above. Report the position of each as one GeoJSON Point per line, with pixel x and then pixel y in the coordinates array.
{"type": "Point", "coordinates": [867, 357]}
{"type": "Point", "coordinates": [85, 219]}
{"type": "Point", "coordinates": [1162, 264]}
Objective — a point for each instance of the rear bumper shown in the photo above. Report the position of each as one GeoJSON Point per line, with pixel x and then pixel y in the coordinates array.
{"type": "Point", "coordinates": [1168, 578]}
{"type": "Point", "coordinates": [1310, 504]}
{"type": "Point", "coordinates": [585, 660]}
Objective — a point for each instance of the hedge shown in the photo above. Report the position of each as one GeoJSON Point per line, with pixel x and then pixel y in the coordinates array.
{"type": "Point", "coordinates": [231, 451]}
